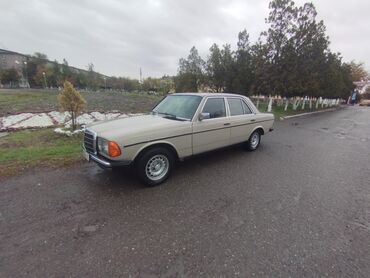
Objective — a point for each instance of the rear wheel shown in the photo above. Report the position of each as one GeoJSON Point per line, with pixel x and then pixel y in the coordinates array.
{"type": "Point", "coordinates": [254, 141]}
{"type": "Point", "coordinates": [154, 165]}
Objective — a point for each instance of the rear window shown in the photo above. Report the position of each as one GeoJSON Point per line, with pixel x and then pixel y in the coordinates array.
{"type": "Point", "coordinates": [235, 106]}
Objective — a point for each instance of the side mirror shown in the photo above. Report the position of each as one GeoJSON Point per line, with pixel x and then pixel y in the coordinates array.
{"type": "Point", "coordinates": [204, 116]}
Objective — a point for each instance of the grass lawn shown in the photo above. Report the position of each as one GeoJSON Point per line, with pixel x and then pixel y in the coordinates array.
{"type": "Point", "coordinates": [26, 149]}
{"type": "Point", "coordinates": [17, 101]}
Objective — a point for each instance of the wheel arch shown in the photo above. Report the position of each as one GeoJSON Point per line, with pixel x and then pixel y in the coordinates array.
{"type": "Point", "coordinates": [259, 129]}
{"type": "Point", "coordinates": [164, 144]}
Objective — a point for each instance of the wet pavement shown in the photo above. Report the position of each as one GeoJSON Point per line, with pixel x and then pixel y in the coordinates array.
{"type": "Point", "coordinates": [299, 206]}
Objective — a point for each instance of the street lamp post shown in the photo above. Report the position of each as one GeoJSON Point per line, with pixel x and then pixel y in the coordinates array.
{"type": "Point", "coordinates": [26, 73]}
{"type": "Point", "coordinates": [105, 83]}
{"type": "Point", "coordinates": [43, 73]}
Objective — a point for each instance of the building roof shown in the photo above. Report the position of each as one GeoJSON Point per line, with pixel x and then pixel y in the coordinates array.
{"type": "Point", "coordinates": [4, 51]}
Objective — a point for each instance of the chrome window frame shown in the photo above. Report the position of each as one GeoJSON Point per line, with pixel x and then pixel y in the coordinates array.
{"type": "Point", "coordinates": [202, 104]}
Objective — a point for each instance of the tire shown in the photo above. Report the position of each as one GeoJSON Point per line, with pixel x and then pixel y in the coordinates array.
{"type": "Point", "coordinates": [254, 141]}
{"type": "Point", "coordinates": [154, 165]}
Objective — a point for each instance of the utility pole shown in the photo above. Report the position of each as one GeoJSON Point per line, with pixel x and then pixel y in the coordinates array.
{"type": "Point", "coordinates": [141, 81]}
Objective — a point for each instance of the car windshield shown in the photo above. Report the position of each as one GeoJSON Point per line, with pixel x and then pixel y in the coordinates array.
{"type": "Point", "coordinates": [178, 107]}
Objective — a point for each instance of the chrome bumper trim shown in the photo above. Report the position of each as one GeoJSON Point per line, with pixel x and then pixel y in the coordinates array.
{"type": "Point", "coordinates": [100, 161]}
{"type": "Point", "coordinates": [108, 164]}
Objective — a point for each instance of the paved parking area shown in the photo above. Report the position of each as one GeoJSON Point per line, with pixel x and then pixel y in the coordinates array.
{"type": "Point", "coordinates": [299, 206]}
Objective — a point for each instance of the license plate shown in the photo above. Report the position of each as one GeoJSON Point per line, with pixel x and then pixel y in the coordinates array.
{"type": "Point", "coordinates": [86, 155]}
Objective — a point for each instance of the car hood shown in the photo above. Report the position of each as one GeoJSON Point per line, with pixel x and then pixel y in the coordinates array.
{"type": "Point", "coordinates": [145, 124]}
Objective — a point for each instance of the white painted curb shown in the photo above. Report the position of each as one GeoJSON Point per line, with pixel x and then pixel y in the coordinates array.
{"type": "Point", "coordinates": [309, 113]}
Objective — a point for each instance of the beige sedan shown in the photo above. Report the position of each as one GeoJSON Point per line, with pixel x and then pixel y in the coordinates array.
{"type": "Point", "coordinates": [179, 126]}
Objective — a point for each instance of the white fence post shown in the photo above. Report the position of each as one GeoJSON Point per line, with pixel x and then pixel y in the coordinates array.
{"type": "Point", "coordinates": [269, 107]}
{"type": "Point", "coordinates": [286, 104]}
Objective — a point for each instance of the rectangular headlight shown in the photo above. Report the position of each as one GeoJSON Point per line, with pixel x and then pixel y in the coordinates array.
{"type": "Point", "coordinates": [103, 145]}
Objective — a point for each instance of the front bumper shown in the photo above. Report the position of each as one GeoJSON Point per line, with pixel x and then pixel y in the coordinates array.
{"type": "Point", "coordinates": [104, 162]}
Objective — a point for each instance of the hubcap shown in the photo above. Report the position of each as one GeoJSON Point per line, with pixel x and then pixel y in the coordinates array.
{"type": "Point", "coordinates": [255, 140]}
{"type": "Point", "coordinates": [157, 167]}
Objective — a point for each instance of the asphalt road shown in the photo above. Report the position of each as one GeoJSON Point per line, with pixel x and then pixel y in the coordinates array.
{"type": "Point", "coordinates": [299, 206]}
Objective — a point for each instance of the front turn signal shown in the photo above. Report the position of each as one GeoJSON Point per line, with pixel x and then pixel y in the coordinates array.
{"type": "Point", "coordinates": [113, 149]}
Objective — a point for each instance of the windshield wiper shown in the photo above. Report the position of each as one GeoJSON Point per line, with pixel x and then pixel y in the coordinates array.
{"type": "Point", "coordinates": [170, 116]}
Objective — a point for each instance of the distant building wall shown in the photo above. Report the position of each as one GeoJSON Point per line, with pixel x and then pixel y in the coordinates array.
{"type": "Point", "coordinates": [9, 59]}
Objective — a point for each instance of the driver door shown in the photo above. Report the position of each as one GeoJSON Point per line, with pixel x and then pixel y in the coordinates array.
{"type": "Point", "coordinates": [212, 133]}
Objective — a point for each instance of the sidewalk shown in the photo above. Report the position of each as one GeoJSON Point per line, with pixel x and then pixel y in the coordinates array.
{"type": "Point", "coordinates": [53, 119]}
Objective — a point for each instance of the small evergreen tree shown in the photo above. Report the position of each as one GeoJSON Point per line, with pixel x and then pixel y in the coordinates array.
{"type": "Point", "coordinates": [71, 100]}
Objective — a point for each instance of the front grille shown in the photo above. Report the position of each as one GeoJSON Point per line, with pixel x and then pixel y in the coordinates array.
{"type": "Point", "coordinates": [90, 141]}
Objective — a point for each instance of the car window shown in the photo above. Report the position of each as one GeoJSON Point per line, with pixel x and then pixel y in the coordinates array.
{"type": "Point", "coordinates": [215, 107]}
{"type": "Point", "coordinates": [236, 107]}
{"type": "Point", "coordinates": [182, 106]}
{"type": "Point", "coordinates": [246, 109]}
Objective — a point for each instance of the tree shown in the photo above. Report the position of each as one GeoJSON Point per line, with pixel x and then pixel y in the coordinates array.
{"type": "Point", "coordinates": [191, 72]}
{"type": "Point", "coordinates": [278, 42]}
{"type": "Point", "coordinates": [54, 75]}
{"type": "Point", "coordinates": [214, 69]}
{"type": "Point", "coordinates": [366, 94]}
{"type": "Point", "coordinates": [227, 59]}
{"type": "Point", "coordinates": [71, 100]}
{"type": "Point", "coordinates": [261, 69]}
{"type": "Point", "coordinates": [243, 65]}
{"type": "Point", "coordinates": [92, 77]}
{"type": "Point", "coordinates": [10, 76]}
{"type": "Point", "coordinates": [66, 72]}
{"type": "Point", "coordinates": [297, 49]}
{"type": "Point", "coordinates": [358, 71]}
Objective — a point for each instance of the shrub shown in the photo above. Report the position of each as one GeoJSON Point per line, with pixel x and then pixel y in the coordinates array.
{"type": "Point", "coordinates": [71, 100]}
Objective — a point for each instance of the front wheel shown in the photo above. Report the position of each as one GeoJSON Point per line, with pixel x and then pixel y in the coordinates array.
{"type": "Point", "coordinates": [154, 165]}
{"type": "Point", "coordinates": [254, 141]}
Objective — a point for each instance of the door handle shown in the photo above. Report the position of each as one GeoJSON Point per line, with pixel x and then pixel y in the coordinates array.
{"type": "Point", "coordinates": [253, 120]}
{"type": "Point", "coordinates": [227, 124]}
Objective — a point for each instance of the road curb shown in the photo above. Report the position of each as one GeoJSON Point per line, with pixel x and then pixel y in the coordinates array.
{"type": "Point", "coordinates": [309, 113]}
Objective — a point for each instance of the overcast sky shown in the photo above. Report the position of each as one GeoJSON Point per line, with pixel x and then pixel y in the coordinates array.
{"type": "Point", "coordinates": [120, 36]}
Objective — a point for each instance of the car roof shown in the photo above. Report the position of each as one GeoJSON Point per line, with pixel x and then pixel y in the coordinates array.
{"type": "Point", "coordinates": [209, 94]}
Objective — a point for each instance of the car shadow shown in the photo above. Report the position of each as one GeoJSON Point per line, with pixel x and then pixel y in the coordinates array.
{"type": "Point", "coordinates": [125, 179]}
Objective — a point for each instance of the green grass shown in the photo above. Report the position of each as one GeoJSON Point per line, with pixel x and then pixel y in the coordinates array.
{"type": "Point", "coordinates": [279, 112]}
{"type": "Point", "coordinates": [17, 101]}
{"type": "Point", "coordinates": [25, 149]}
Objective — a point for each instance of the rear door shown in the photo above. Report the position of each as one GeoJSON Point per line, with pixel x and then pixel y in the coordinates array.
{"type": "Point", "coordinates": [241, 120]}
{"type": "Point", "coordinates": [213, 133]}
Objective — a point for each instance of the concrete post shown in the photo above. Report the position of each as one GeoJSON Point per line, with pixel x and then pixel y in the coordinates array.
{"type": "Point", "coordinates": [286, 104]}
{"type": "Point", "coordinates": [269, 107]}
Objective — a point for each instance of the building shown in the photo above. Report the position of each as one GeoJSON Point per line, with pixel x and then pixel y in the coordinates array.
{"type": "Point", "coordinates": [18, 61]}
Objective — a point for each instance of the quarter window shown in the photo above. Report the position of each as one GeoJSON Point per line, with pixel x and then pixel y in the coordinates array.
{"type": "Point", "coordinates": [215, 107]}
{"type": "Point", "coordinates": [246, 109]}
